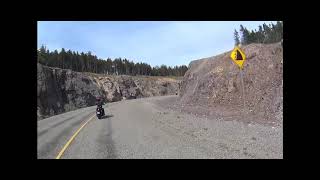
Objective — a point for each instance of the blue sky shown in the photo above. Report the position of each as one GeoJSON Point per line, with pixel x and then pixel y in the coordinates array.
{"type": "Point", "coordinates": [154, 42]}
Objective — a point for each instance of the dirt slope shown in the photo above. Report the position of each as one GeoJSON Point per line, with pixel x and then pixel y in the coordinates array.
{"type": "Point", "coordinates": [212, 85]}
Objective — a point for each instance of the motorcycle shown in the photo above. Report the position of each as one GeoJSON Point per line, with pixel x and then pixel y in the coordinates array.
{"type": "Point", "coordinates": [100, 112]}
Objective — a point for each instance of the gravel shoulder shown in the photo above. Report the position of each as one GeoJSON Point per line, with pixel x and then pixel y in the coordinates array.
{"type": "Point", "coordinates": [145, 128]}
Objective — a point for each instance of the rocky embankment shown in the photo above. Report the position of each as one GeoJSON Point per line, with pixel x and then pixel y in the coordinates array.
{"type": "Point", "coordinates": [212, 86]}
{"type": "Point", "coordinates": [62, 90]}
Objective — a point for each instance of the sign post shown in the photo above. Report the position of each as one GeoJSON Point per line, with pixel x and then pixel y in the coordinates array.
{"type": "Point", "coordinates": [242, 84]}
{"type": "Point", "coordinates": [239, 57]}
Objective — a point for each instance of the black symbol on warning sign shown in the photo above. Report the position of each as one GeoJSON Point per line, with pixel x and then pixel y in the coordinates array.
{"type": "Point", "coordinates": [239, 56]}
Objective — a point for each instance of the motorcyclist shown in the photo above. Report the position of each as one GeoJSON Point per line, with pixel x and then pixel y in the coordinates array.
{"type": "Point", "coordinates": [99, 103]}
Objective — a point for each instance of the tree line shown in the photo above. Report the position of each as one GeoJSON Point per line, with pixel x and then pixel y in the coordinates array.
{"type": "Point", "coordinates": [265, 34]}
{"type": "Point", "coordinates": [87, 62]}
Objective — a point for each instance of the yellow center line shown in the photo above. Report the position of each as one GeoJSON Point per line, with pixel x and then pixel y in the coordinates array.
{"type": "Point", "coordinates": [71, 139]}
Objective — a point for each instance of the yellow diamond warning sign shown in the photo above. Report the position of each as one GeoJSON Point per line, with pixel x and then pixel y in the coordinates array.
{"type": "Point", "coordinates": [238, 56]}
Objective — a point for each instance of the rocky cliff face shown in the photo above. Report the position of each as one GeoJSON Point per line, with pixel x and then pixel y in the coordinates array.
{"type": "Point", "coordinates": [216, 81]}
{"type": "Point", "coordinates": [62, 90]}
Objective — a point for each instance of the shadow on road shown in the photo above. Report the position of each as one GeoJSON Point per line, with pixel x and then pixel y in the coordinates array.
{"type": "Point", "coordinates": [110, 144]}
{"type": "Point", "coordinates": [106, 116]}
{"type": "Point", "coordinates": [105, 139]}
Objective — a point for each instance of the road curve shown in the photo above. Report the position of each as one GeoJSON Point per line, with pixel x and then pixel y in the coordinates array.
{"type": "Point", "coordinates": [140, 129]}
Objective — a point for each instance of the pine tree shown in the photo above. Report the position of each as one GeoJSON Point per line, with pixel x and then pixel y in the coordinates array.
{"type": "Point", "coordinates": [242, 36]}
{"type": "Point", "coordinates": [252, 37]}
{"type": "Point", "coordinates": [87, 62]}
{"type": "Point", "coordinates": [236, 38]}
{"type": "Point", "coordinates": [278, 31]}
{"type": "Point", "coordinates": [260, 35]}
{"type": "Point", "coordinates": [266, 31]}
{"type": "Point", "coordinates": [266, 34]}
{"type": "Point", "coordinates": [246, 36]}
{"type": "Point", "coordinates": [42, 55]}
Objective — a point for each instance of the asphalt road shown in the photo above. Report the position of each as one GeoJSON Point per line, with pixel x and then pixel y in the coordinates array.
{"type": "Point", "coordinates": [141, 129]}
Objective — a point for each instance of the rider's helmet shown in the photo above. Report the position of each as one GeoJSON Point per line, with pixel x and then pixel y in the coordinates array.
{"type": "Point", "coordinates": [98, 99]}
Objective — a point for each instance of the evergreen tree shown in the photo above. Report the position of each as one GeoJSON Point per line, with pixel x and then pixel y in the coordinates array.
{"type": "Point", "coordinates": [87, 62]}
{"type": "Point", "coordinates": [244, 35]}
{"type": "Point", "coordinates": [260, 35]}
{"type": "Point", "coordinates": [42, 55]}
{"type": "Point", "coordinates": [236, 38]}
{"type": "Point", "coordinates": [266, 34]}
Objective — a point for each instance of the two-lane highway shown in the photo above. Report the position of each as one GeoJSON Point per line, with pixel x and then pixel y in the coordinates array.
{"type": "Point", "coordinates": [54, 132]}
{"type": "Point", "coordinates": [140, 128]}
